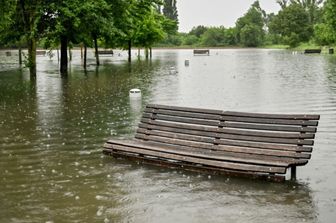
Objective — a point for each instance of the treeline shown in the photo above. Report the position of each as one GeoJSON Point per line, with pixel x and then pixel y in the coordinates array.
{"type": "Point", "coordinates": [298, 21]}
{"type": "Point", "coordinates": [64, 23]}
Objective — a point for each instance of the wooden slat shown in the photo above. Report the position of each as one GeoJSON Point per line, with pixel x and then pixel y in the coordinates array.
{"type": "Point", "coordinates": [230, 125]}
{"type": "Point", "coordinates": [235, 143]}
{"type": "Point", "coordinates": [211, 155]}
{"type": "Point", "coordinates": [232, 118]}
{"type": "Point", "coordinates": [230, 131]}
{"type": "Point", "coordinates": [238, 114]}
{"type": "Point", "coordinates": [192, 159]}
{"type": "Point", "coordinates": [195, 167]}
{"type": "Point", "coordinates": [229, 136]}
{"type": "Point", "coordinates": [199, 142]}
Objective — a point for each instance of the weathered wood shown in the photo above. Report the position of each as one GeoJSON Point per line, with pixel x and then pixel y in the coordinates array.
{"type": "Point", "coordinates": [199, 142]}
{"type": "Point", "coordinates": [231, 141]}
{"type": "Point", "coordinates": [233, 118]}
{"type": "Point", "coordinates": [229, 136]}
{"type": "Point", "coordinates": [203, 161]}
{"type": "Point", "coordinates": [41, 52]}
{"type": "Point", "coordinates": [239, 114]}
{"type": "Point", "coordinates": [105, 52]}
{"type": "Point", "coordinates": [230, 131]}
{"type": "Point", "coordinates": [195, 167]}
{"type": "Point", "coordinates": [217, 150]}
{"type": "Point", "coordinates": [210, 155]}
{"type": "Point", "coordinates": [201, 52]}
{"type": "Point", "coordinates": [309, 51]}
{"type": "Point", "coordinates": [230, 125]}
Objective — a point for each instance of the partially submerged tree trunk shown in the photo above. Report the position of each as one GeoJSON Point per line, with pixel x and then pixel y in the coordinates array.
{"type": "Point", "coordinates": [146, 52]}
{"type": "Point", "coordinates": [81, 46]}
{"type": "Point", "coordinates": [129, 50]}
{"type": "Point", "coordinates": [32, 57]}
{"type": "Point", "coordinates": [58, 57]}
{"type": "Point", "coordinates": [85, 54]}
{"type": "Point", "coordinates": [20, 55]}
{"type": "Point", "coordinates": [70, 54]}
{"type": "Point", "coordinates": [29, 23]}
{"type": "Point", "coordinates": [64, 56]}
{"type": "Point", "coordinates": [96, 49]}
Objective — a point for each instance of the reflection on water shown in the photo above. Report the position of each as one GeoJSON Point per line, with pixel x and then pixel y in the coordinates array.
{"type": "Point", "coordinates": [52, 130]}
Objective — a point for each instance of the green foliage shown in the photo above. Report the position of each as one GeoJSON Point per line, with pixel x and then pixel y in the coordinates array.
{"type": "Point", "coordinates": [190, 40]}
{"type": "Point", "coordinates": [214, 36]}
{"type": "Point", "coordinates": [170, 10]}
{"type": "Point", "coordinates": [198, 31]}
{"type": "Point", "coordinates": [291, 25]}
{"type": "Point", "coordinates": [323, 34]}
{"type": "Point", "coordinates": [328, 29]}
{"type": "Point", "coordinates": [251, 35]}
{"type": "Point", "coordinates": [251, 23]}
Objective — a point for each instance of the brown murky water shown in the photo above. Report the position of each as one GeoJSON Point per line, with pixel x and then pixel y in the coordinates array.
{"type": "Point", "coordinates": [52, 131]}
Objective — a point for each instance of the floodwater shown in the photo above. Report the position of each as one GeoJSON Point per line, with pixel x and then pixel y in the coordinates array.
{"type": "Point", "coordinates": [52, 131]}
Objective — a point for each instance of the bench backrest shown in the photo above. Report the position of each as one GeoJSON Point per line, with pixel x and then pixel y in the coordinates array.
{"type": "Point", "coordinates": [278, 135]}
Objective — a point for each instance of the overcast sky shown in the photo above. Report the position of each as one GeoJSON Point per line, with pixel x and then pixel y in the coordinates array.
{"type": "Point", "coordinates": [216, 12]}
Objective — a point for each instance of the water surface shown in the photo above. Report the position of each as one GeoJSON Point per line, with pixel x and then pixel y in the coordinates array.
{"type": "Point", "coordinates": [52, 131]}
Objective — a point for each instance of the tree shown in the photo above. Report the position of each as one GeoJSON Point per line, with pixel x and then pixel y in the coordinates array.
{"type": "Point", "coordinates": [252, 23]}
{"type": "Point", "coordinates": [19, 22]}
{"type": "Point", "coordinates": [330, 18]}
{"type": "Point", "coordinates": [292, 25]}
{"type": "Point", "coordinates": [149, 30]}
{"type": "Point", "coordinates": [214, 36]}
{"type": "Point", "coordinates": [250, 36]}
{"type": "Point", "coordinates": [170, 10]}
{"type": "Point", "coordinates": [312, 7]}
{"type": "Point", "coordinates": [198, 30]}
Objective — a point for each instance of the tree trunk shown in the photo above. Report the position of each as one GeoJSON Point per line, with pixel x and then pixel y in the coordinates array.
{"type": "Point", "coordinates": [32, 57]}
{"type": "Point", "coordinates": [150, 52]}
{"type": "Point", "coordinates": [146, 53]}
{"type": "Point", "coordinates": [20, 55]}
{"type": "Point", "coordinates": [129, 50]}
{"type": "Point", "coordinates": [58, 59]}
{"type": "Point", "coordinates": [70, 54]}
{"type": "Point", "coordinates": [81, 46]}
{"type": "Point", "coordinates": [96, 50]}
{"type": "Point", "coordinates": [85, 54]}
{"type": "Point", "coordinates": [64, 56]}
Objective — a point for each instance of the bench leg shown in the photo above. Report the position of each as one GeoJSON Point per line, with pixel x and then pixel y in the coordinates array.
{"type": "Point", "coordinates": [293, 172]}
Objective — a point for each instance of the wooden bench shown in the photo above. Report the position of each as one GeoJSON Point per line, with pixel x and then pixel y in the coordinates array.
{"type": "Point", "coordinates": [202, 52]}
{"type": "Point", "coordinates": [236, 143]}
{"type": "Point", "coordinates": [310, 51]}
{"type": "Point", "coordinates": [105, 52]}
{"type": "Point", "coordinates": [41, 52]}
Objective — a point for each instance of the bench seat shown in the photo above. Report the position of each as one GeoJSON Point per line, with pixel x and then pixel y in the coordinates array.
{"type": "Point", "coordinates": [229, 142]}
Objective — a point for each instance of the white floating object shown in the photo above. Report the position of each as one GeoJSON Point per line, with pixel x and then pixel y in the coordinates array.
{"type": "Point", "coordinates": [135, 93]}
{"type": "Point", "coordinates": [186, 62]}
